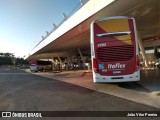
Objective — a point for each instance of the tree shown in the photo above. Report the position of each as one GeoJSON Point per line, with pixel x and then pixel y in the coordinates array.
{"type": "Point", "coordinates": [7, 54]}
{"type": "Point", "coordinates": [5, 61]}
{"type": "Point", "coordinates": [10, 59]}
{"type": "Point", "coordinates": [20, 61]}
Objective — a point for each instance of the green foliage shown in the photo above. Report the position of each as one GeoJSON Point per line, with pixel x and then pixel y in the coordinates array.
{"type": "Point", "coordinates": [5, 61]}
{"type": "Point", "coordinates": [9, 59]}
{"type": "Point", "coordinates": [20, 61]}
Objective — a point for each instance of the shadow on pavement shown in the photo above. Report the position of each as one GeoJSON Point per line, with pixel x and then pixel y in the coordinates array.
{"type": "Point", "coordinates": [133, 86]}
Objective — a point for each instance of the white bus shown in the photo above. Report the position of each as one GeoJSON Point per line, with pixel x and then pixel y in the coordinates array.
{"type": "Point", "coordinates": [39, 65]}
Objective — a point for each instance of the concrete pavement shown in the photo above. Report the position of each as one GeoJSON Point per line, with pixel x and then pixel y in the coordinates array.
{"type": "Point", "coordinates": [145, 92]}
{"type": "Point", "coordinates": [21, 91]}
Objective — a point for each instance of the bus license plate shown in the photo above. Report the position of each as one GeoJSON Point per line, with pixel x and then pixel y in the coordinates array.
{"type": "Point", "coordinates": [116, 72]}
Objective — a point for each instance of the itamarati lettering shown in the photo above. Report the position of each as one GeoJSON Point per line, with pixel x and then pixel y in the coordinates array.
{"type": "Point", "coordinates": [117, 65]}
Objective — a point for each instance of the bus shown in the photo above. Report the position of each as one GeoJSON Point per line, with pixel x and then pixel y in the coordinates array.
{"type": "Point", "coordinates": [40, 65]}
{"type": "Point", "coordinates": [114, 50]}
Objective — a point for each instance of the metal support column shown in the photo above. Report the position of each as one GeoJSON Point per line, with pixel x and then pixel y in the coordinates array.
{"type": "Point", "coordinates": [82, 58]}
{"type": "Point", "coordinates": [142, 50]}
{"type": "Point", "coordinates": [82, 2]}
{"type": "Point", "coordinates": [60, 62]}
{"type": "Point", "coordinates": [65, 16]}
{"type": "Point", "coordinates": [53, 64]}
{"type": "Point", "coordinates": [68, 63]}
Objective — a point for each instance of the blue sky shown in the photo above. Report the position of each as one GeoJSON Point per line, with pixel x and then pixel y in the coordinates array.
{"type": "Point", "coordinates": [24, 22]}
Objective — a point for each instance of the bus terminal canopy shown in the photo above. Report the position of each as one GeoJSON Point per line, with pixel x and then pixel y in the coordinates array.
{"type": "Point", "coordinates": [74, 33]}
